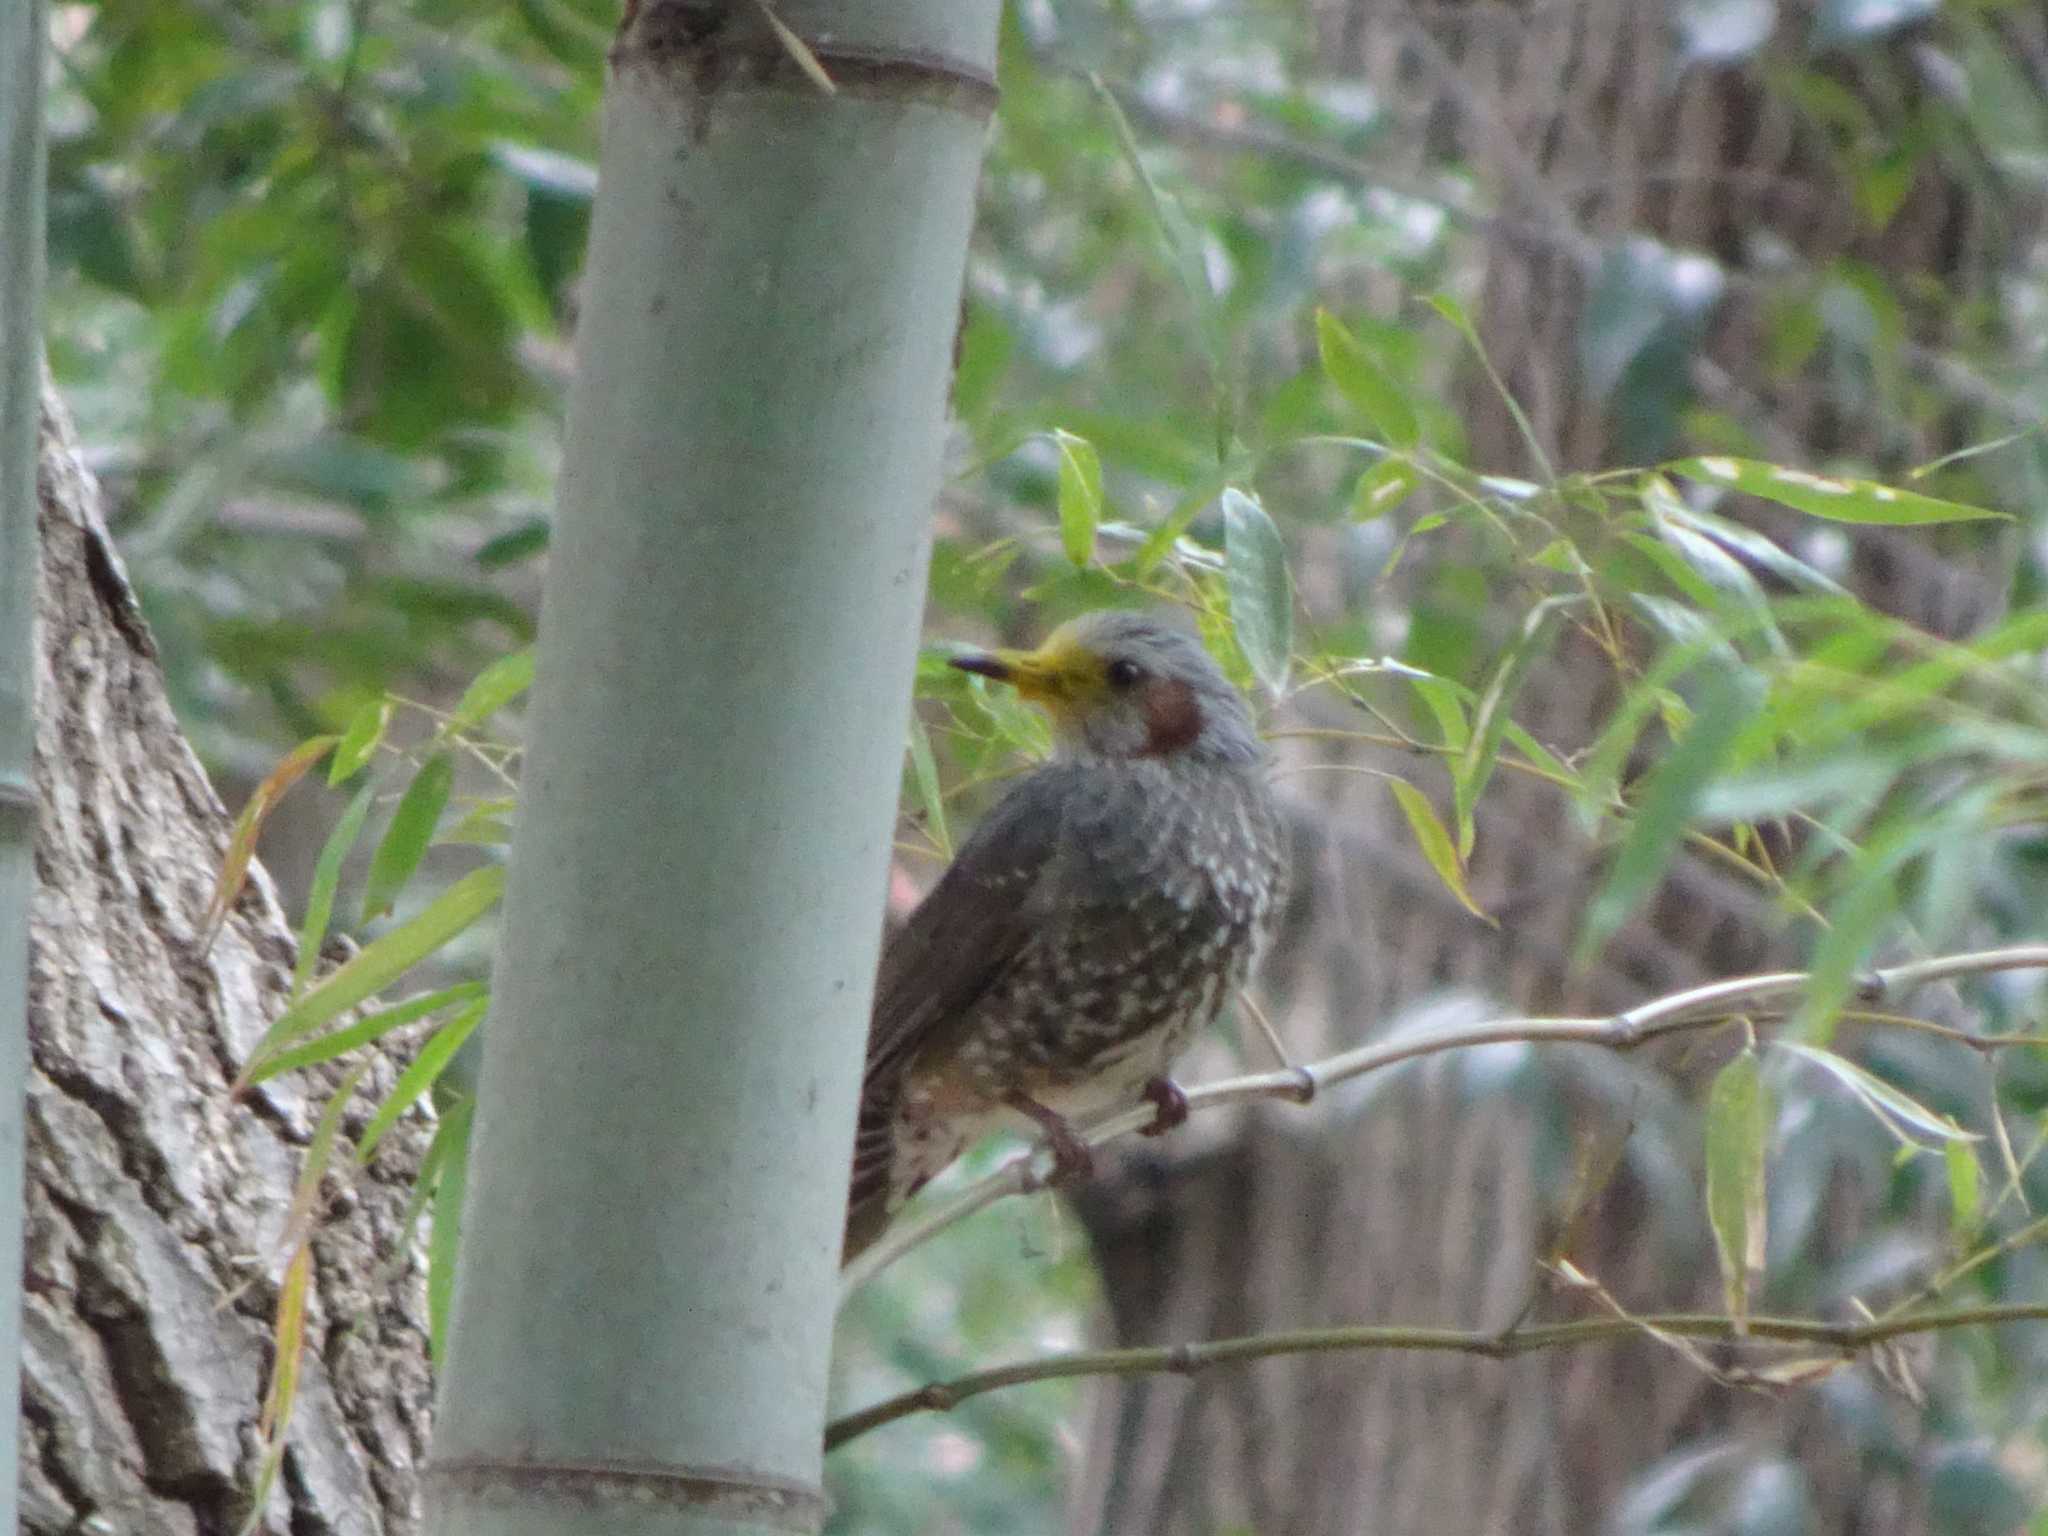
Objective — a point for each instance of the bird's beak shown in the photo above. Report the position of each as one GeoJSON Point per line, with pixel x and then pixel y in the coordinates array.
{"type": "Point", "coordinates": [1034, 674]}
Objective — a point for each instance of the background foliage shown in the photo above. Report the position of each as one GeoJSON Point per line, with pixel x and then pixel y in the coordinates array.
{"type": "Point", "coordinates": [1235, 337]}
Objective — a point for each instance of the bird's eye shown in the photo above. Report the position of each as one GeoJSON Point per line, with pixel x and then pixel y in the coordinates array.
{"type": "Point", "coordinates": [1123, 672]}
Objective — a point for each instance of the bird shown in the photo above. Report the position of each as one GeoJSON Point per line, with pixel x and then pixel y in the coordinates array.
{"type": "Point", "coordinates": [1091, 926]}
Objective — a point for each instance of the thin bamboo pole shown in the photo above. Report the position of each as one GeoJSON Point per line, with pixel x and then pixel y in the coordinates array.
{"type": "Point", "coordinates": [644, 1298]}
{"type": "Point", "coordinates": [22, 30]}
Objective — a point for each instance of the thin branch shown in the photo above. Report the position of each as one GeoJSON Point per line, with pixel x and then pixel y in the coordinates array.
{"type": "Point", "coordinates": [1843, 1339]}
{"type": "Point", "coordinates": [1695, 1008]}
{"type": "Point", "coordinates": [1274, 1043]}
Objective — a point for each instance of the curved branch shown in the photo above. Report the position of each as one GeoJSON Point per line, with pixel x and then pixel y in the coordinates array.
{"type": "Point", "coordinates": [1702, 1007]}
{"type": "Point", "coordinates": [1840, 1339]}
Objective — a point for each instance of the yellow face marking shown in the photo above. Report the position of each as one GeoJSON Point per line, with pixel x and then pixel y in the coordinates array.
{"type": "Point", "coordinates": [1062, 676]}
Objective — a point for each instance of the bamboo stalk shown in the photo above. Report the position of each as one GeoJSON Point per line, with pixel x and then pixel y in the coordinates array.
{"type": "Point", "coordinates": [22, 30]}
{"type": "Point", "coordinates": [644, 1297]}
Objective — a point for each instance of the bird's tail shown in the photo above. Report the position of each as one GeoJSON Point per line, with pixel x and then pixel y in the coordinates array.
{"type": "Point", "coordinates": [866, 1217]}
{"type": "Point", "coordinates": [867, 1197]}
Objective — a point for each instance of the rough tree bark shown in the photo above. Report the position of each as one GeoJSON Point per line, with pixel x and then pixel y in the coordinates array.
{"type": "Point", "coordinates": [155, 1204]}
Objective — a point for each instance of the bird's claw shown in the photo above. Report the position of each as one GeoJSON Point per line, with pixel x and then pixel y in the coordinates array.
{"type": "Point", "coordinates": [1073, 1162]}
{"type": "Point", "coordinates": [1170, 1102]}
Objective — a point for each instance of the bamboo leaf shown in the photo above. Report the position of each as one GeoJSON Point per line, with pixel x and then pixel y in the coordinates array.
{"type": "Point", "coordinates": [798, 50]}
{"type": "Point", "coordinates": [288, 1344]}
{"type": "Point", "coordinates": [360, 741]}
{"type": "Point", "coordinates": [1261, 596]}
{"type": "Point", "coordinates": [288, 1327]}
{"type": "Point", "coordinates": [1080, 496]}
{"type": "Point", "coordinates": [1896, 1110]}
{"type": "Point", "coordinates": [1755, 546]}
{"type": "Point", "coordinates": [1965, 1192]}
{"type": "Point", "coordinates": [1541, 757]}
{"type": "Point", "coordinates": [451, 1127]}
{"type": "Point", "coordinates": [496, 686]}
{"type": "Point", "coordinates": [1474, 767]}
{"type": "Point", "coordinates": [1446, 701]}
{"type": "Point", "coordinates": [326, 880]}
{"type": "Point", "coordinates": [442, 1247]}
{"type": "Point", "coordinates": [1828, 496]}
{"type": "Point", "coordinates": [305, 1207]}
{"type": "Point", "coordinates": [420, 1074]}
{"type": "Point", "coordinates": [1362, 381]}
{"type": "Point", "coordinates": [925, 771]}
{"type": "Point", "coordinates": [366, 1029]}
{"type": "Point", "coordinates": [234, 867]}
{"type": "Point", "coordinates": [405, 840]}
{"type": "Point", "coordinates": [1738, 1126]}
{"type": "Point", "coordinates": [385, 959]}
{"type": "Point", "coordinates": [1670, 793]}
{"type": "Point", "coordinates": [1435, 843]}
{"type": "Point", "coordinates": [485, 824]}
{"type": "Point", "coordinates": [1160, 541]}
{"type": "Point", "coordinates": [1726, 578]}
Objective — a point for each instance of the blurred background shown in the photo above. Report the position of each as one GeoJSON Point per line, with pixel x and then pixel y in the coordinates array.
{"type": "Point", "coordinates": [314, 286]}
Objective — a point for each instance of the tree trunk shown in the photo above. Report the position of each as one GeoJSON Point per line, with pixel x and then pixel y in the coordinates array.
{"type": "Point", "coordinates": [156, 1205]}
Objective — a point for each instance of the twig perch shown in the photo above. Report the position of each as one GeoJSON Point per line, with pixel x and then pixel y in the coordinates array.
{"type": "Point", "coordinates": [1839, 1340]}
{"type": "Point", "coordinates": [1702, 1007]}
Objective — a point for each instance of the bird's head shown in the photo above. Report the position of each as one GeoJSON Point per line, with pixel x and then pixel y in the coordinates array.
{"type": "Point", "coordinates": [1120, 684]}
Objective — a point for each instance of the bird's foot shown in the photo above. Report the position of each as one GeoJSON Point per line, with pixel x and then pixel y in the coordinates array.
{"type": "Point", "coordinates": [1167, 1097]}
{"type": "Point", "coordinates": [1072, 1160]}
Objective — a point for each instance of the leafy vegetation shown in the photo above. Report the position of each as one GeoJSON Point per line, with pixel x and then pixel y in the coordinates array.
{"type": "Point", "coordinates": [316, 270]}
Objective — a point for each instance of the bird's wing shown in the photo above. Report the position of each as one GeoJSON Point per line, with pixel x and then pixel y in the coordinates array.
{"type": "Point", "coordinates": [974, 924]}
{"type": "Point", "coordinates": [960, 941]}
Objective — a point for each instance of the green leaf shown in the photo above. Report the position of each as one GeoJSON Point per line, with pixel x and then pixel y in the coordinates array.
{"type": "Point", "coordinates": [1838, 500]}
{"type": "Point", "coordinates": [522, 543]}
{"type": "Point", "coordinates": [1671, 791]}
{"type": "Point", "coordinates": [1016, 724]}
{"type": "Point", "coordinates": [1965, 1193]}
{"type": "Point", "coordinates": [486, 824]}
{"type": "Point", "coordinates": [1755, 546]}
{"type": "Point", "coordinates": [925, 771]}
{"type": "Point", "coordinates": [1474, 767]}
{"type": "Point", "coordinates": [1897, 1111]}
{"type": "Point", "coordinates": [1362, 381]}
{"type": "Point", "coordinates": [449, 1190]}
{"type": "Point", "coordinates": [1560, 772]}
{"type": "Point", "coordinates": [412, 828]}
{"type": "Point", "coordinates": [1261, 596]}
{"type": "Point", "coordinates": [1383, 487]}
{"type": "Point", "coordinates": [385, 959]}
{"type": "Point", "coordinates": [326, 879]}
{"type": "Point", "coordinates": [1738, 1125]}
{"type": "Point", "coordinates": [1446, 701]}
{"type": "Point", "coordinates": [360, 741]}
{"type": "Point", "coordinates": [1160, 541]}
{"type": "Point", "coordinates": [419, 1075]}
{"type": "Point", "coordinates": [1435, 842]}
{"type": "Point", "coordinates": [371, 1027]}
{"type": "Point", "coordinates": [495, 687]}
{"type": "Point", "coordinates": [1728, 581]}
{"type": "Point", "coordinates": [1080, 496]}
